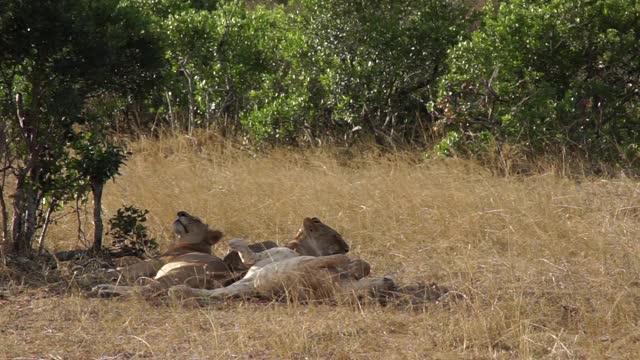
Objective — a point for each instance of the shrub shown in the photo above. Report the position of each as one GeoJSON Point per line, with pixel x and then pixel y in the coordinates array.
{"type": "Point", "coordinates": [129, 232]}
{"type": "Point", "coordinates": [379, 61]}
{"type": "Point", "coordinates": [548, 74]}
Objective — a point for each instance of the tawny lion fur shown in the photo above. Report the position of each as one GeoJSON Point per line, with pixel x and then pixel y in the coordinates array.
{"type": "Point", "coordinates": [189, 260]}
{"type": "Point", "coordinates": [282, 271]}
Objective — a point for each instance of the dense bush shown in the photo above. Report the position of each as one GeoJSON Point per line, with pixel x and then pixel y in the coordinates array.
{"type": "Point", "coordinates": [230, 67]}
{"type": "Point", "coordinates": [283, 103]}
{"type": "Point", "coordinates": [550, 74]}
{"type": "Point", "coordinates": [378, 61]}
{"type": "Point", "coordinates": [311, 69]}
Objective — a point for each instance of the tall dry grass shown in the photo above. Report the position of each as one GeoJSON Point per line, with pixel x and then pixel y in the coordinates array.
{"type": "Point", "coordinates": [550, 265]}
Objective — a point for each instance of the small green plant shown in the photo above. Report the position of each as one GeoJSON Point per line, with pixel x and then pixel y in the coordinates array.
{"type": "Point", "coordinates": [129, 232]}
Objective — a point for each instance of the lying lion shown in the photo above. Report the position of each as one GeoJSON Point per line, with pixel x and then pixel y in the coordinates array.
{"type": "Point", "coordinates": [314, 238]}
{"type": "Point", "coordinates": [283, 272]}
{"type": "Point", "coordinates": [280, 271]}
{"type": "Point", "coordinates": [189, 260]}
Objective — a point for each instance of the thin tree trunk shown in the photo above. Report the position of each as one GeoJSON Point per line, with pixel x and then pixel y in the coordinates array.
{"type": "Point", "coordinates": [172, 120]}
{"type": "Point", "coordinates": [192, 101]}
{"type": "Point", "coordinates": [33, 198]}
{"type": "Point", "coordinates": [45, 227]}
{"type": "Point", "coordinates": [19, 211]}
{"type": "Point", "coordinates": [207, 113]}
{"type": "Point", "coordinates": [230, 95]}
{"type": "Point", "coordinates": [96, 189]}
{"type": "Point", "coordinates": [4, 155]}
{"type": "Point", "coordinates": [4, 246]}
{"type": "Point", "coordinates": [82, 238]}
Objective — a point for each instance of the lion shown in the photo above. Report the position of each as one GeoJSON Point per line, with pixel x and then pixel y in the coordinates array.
{"type": "Point", "coordinates": [283, 271]}
{"type": "Point", "coordinates": [314, 238]}
{"type": "Point", "coordinates": [189, 260]}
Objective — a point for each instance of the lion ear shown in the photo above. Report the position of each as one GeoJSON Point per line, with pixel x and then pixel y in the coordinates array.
{"type": "Point", "coordinates": [213, 236]}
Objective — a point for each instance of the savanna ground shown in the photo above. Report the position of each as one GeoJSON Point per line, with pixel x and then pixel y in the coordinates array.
{"type": "Point", "coordinates": [549, 264]}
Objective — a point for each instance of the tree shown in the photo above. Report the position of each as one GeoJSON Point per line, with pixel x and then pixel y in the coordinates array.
{"type": "Point", "coordinates": [56, 56]}
{"type": "Point", "coordinates": [97, 161]}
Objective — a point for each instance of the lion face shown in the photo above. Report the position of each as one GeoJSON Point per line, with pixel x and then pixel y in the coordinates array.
{"type": "Point", "coordinates": [191, 230]}
{"type": "Point", "coordinates": [318, 239]}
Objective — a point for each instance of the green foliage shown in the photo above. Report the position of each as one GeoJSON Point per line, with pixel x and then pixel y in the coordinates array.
{"type": "Point", "coordinates": [210, 69]}
{"type": "Point", "coordinates": [130, 233]}
{"type": "Point", "coordinates": [313, 68]}
{"type": "Point", "coordinates": [237, 65]}
{"type": "Point", "coordinates": [380, 60]}
{"type": "Point", "coordinates": [56, 57]}
{"type": "Point", "coordinates": [70, 50]}
{"type": "Point", "coordinates": [96, 160]}
{"type": "Point", "coordinates": [547, 74]}
{"type": "Point", "coordinates": [280, 104]}
{"type": "Point", "coordinates": [165, 8]}
{"type": "Point", "coordinates": [448, 144]}
{"type": "Point", "coordinates": [59, 55]}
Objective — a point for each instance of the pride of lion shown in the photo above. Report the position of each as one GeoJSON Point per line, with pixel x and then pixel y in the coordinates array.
{"type": "Point", "coordinates": [313, 265]}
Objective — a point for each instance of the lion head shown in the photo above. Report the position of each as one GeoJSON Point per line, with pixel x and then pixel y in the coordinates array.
{"type": "Point", "coordinates": [315, 238]}
{"type": "Point", "coordinates": [190, 230]}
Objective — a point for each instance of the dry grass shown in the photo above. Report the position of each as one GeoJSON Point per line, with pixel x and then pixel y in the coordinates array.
{"type": "Point", "coordinates": [550, 266]}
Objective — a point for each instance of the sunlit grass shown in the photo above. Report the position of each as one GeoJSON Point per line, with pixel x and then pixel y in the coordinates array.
{"type": "Point", "coordinates": [550, 265]}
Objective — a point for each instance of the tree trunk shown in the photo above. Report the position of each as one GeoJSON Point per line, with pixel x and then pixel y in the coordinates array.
{"type": "Point", "coordinates": [4, 216]}
{"type": "Point", "coordinates": [32, 203]}
{"type": "Point", "coordinates": [171, 116]}
{"type": "Point", "coordinates": [192, 102]}
{"type": "Point", "coordinates": [24, 222]}
{"type": "Point", "coordinates": [96, 189]}
{"type": "Point", "coordinates": [5, 240]}
{"type": "Point", "coordinates": [45, 227]}
{"type": "Point", "coordinates": [26, 197]}
{"type": "Point", "coordinates": [17, 221]}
